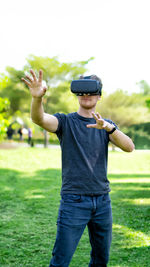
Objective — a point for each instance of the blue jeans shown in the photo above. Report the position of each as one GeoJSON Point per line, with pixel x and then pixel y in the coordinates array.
{"type": "Point", "coordinates": [75, 212]}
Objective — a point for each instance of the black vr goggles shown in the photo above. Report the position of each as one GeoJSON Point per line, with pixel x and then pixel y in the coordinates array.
{"type": "Point", "coordinates": [86, 86]}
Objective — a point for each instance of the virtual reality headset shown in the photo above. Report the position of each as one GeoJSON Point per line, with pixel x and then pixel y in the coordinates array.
{"type": "Point", "coordinates": [86, 86]}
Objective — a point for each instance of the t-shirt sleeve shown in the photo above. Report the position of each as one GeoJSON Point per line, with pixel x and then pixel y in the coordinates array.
{"type": "Point", "coordinates": [61, 121]}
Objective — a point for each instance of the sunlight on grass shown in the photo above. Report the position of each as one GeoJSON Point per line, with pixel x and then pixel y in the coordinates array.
{"type": "Point", "coordinates": [26, 159]}
{"type": "Point", "coordinates": [7, 188]}
{"type": "Point", "coordinates": [137, 180]}
{"type": "Point", "coordinates": [34, 194]}
{"type": "Point", "coordinates": [133, 188]}
{"type": "Point", "coordinates": [127, 163]}
{"type": "Point", "coordinates": [138, 201]}
{"type": "Point", "coordinates": [133, 238]}
{"type": "Point", "coordinates": [30, 177]}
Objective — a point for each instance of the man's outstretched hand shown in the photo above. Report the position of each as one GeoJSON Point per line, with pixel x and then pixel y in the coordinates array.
{"type": "Point", "coordinates": [100, 123]}
{"type": "Point", "coordinates": [35, 84]}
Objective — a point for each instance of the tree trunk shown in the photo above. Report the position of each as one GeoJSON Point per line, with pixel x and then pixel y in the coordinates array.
{"type": "Point", "coordinates": [45, 139]}
{"type": "Point", "coordinates": [113, 147]}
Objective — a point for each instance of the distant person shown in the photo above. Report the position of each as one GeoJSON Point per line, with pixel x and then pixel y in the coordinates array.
{"type": "Point", "coordinates": [84, 137]}
{"type": "Point", "coordinates": [20, 132]}
{"type": "Point", "coordinates": [29, 136]}
{"type": "Point", "coordinates": [30, 140]}
{"type": "Point", "coordinates": [10, 133]}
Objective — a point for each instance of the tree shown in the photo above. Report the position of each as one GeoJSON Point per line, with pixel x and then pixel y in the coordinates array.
{"type": "Point", "coordinates": [15, 91]}
{"type": "Point", "coordinates": [4, 106]}
{"type": "Point", "coordinates": [148, 102]}
{"type": "Point", "coordinates": [123, 108]}
{"type": "Point", "coordinates": [128, 111]}
{"type": "Point", "coordinates": [57, 76]}
{"type": "Point", "coordinates": [144, 87]}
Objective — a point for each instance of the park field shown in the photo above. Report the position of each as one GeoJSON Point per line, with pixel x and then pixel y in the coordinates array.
{"type": "Point", "coordinates": [30, 181]}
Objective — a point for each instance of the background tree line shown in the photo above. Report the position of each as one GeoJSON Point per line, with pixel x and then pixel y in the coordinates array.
{"type": "Point", "coordinates": [130, 111]}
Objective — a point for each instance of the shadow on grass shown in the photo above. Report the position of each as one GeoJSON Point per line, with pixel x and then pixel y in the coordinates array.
{"type": "Point", "coordinates": [29, 206]}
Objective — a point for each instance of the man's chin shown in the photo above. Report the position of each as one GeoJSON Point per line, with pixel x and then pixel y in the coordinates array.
{"type": "Point", "coordinates": [87, 106]}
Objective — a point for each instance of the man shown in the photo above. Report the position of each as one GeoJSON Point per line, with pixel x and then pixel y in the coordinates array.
{"type": "Point", "coordinates": [85, 201]}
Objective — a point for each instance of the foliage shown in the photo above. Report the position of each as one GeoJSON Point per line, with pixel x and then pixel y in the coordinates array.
{"type": "Point", "coordinates": [124, 109]}
{"type": "Point", "coordinates": [130, 113]}
{"type": "Point", "coordinates": [15, 91]}
{"type": "Point", "coordinates": [57, 76]}
{"type": "Point", "coordinates": [4, 106]}
{"type": "Point", "coordinates": [140, 134]}
{"type": "Point", "coordinates": [144, 87]}
{"type": "Point", "coordinates": [30, 181]}
{"type": "Point", "coordinates": [148, 102]}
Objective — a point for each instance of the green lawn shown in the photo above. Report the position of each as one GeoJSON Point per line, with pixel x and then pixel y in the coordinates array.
{"type": "Point", "coordinates": [30, 180]}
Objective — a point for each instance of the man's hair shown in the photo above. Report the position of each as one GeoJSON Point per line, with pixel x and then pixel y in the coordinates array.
{"type": "Point", "coordinates": [92, 77]}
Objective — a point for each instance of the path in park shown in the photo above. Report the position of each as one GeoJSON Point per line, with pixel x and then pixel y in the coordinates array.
{"type": "Point", "coordinates": [12, 145]}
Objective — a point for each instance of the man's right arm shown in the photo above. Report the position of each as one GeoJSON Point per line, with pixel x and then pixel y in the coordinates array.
{"type": "Point", "coordinates": [45, 120]}
{"type": "Point", "coordinates": [37, 90]}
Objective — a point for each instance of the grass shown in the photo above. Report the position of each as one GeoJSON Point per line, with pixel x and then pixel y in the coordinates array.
{"type": "Point", "coordinates": [30, 180]}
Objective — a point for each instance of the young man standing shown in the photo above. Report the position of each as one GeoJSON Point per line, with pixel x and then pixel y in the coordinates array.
{"type": "Point", "coordinates": [84, 136]}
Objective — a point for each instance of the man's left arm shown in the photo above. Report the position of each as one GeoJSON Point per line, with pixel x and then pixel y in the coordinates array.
{"type": "Point", "coordinates": [121, 140]}
{"type": "Point", "coordinates": [117, 137]}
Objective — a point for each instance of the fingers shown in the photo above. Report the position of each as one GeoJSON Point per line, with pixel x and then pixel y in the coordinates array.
{"type": "Point", "coordinates": [44, 89]}
{"type": "Point", "coordinates": [29, 78]}
{"type": "Point", "coordinates": [96, 116]}
{"type": "Point", "coordinates": [33, 75]}
{"type": "Point", "coordinates": [91, 125]}
{"type": "Point", "coordinates": [100, 123]}
{"type": "Point", "coordinates": [40, 75]}
{"type": "Point", "coordinates": [26, 82]}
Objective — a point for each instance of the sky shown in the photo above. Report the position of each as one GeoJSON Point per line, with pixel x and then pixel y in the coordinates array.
{"type": "Point", "coordinates": [114, 32]}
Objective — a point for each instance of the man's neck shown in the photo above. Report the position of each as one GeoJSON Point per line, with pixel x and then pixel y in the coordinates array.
{"type": "Point", "coordinates": [87, 113]}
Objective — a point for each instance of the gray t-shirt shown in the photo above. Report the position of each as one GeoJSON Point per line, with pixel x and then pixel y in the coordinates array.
{"type": "Point", "coordinates": [84, 155]}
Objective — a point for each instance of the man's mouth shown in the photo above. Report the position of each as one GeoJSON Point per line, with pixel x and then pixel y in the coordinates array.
{"type": "Point", "coordinates": [86, 99]}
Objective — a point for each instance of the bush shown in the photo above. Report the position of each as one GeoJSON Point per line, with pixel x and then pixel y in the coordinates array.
{"type": "Point", "coordinates": [140, 134]}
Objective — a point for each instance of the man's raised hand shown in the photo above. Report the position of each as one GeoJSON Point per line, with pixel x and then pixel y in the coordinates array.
{"type": "Point", "coordinates": [100, 123]}
{"type": "Point", "coordinates": [35, 84]}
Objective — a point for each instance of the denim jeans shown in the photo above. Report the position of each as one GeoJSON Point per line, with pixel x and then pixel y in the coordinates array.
{"type": "Point", "coordinates": [75, 212]}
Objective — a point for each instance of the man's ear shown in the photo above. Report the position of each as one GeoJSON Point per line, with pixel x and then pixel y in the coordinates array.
{"type": "Point", "coordinates": [99, 97]}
